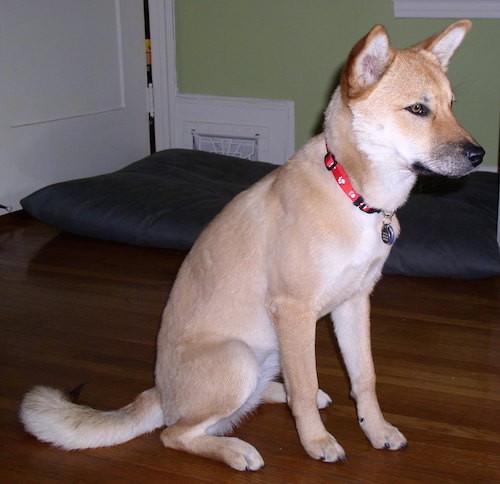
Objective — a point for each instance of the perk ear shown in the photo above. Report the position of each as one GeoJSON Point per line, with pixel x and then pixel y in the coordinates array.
{"type": "Point", "coordinates": [444, 44]}
{"type": "Point", "coordinates": [368, 61]}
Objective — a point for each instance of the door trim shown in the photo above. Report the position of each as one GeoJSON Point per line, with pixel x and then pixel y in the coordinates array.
{"type": "Point", "coordinates": [162, 31]}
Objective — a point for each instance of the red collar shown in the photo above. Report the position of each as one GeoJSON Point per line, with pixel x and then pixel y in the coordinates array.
{"type": "Point", "coordinates": [340, 175]}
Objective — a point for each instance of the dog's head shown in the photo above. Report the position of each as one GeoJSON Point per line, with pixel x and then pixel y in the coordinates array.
{"type": "Point", "coordinates": [401, 103]}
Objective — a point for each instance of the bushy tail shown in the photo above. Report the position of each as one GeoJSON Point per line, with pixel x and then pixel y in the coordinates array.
{"type": "Point", "coordinates": [49, 415]}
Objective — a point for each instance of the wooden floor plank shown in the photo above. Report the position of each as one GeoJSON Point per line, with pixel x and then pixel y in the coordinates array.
{"type": "Point", "coordinates": [77, 310]}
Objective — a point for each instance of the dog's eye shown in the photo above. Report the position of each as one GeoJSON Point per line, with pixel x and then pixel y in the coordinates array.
{"type": "Point", "coordinates": [418, 109]}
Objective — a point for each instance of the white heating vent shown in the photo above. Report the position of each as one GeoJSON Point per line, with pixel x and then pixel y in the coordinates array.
{"type": "Point", "coordinates": [246, 148]}
{"type": "Point", "coordinates": [247, 142]}
{"type": "Point", "coordinates": [253, 129]}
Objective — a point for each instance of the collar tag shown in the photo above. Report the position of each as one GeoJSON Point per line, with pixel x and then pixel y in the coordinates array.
{"type": "Point", "coordinates": [388, 233]}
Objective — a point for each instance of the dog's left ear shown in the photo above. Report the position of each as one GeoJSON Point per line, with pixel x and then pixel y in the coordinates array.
{"type": "Point", "coordinates": [444, 44]}
{"type": "Point", "coordinates": [367, 62]}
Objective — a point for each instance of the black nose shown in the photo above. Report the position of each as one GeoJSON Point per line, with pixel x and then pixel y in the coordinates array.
{"type": "Point", "coordinates": [474, 154]}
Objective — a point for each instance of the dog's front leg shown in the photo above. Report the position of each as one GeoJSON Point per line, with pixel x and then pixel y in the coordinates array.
{"type": "Point", "coordinates": [352, 327]}
{"type": "Point", "coordinates": [296, 330]}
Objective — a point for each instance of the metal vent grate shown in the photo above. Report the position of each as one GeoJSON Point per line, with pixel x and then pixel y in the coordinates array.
{"type": "Point", "coordinates": [241, 147]}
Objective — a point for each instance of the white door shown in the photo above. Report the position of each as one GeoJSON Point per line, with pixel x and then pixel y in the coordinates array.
{"type": "Point", "coordinates": [72, 91]}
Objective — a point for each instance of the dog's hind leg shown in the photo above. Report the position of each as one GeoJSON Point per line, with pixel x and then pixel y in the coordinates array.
{"type": "Point", "coordinates": [220, 384]}
{"type": "Point", "coordinates": [352, 327]}
{"type": "Point", "coordinates": [194, 439]}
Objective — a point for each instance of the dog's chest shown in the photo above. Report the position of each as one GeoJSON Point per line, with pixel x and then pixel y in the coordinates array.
{"type": "Point", "coordinates": [354, 264]}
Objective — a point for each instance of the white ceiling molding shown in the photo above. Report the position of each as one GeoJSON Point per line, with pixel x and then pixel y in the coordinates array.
{"type": "Point", "coordinates": [447, 8]}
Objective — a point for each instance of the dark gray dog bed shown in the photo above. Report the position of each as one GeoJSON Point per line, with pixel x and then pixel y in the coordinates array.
{"type": "Point", "coordinates": [166, 199]}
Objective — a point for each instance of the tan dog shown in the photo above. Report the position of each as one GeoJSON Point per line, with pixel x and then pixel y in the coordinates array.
{"type": "Point", "coordinates": [297, 245]}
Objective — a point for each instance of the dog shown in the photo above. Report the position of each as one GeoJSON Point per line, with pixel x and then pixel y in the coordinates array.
{"type": "Point", "coordinates": [308, 239]}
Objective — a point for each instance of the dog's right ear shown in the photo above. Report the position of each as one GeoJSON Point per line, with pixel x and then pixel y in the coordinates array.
{"type": "Point", "coordinates": [367, 62]}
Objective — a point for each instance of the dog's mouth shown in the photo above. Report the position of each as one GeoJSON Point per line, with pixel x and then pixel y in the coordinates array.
{"type": "Point", "coordinates": [421, 169]}
{"type": "Point", "coordinates": [451, 160]}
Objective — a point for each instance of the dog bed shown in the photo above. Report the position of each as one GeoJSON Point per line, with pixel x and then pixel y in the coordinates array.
{"type": "Point", "coordinates": [166, 199]}
{"type": "Point", "coordinates": [163, 200]}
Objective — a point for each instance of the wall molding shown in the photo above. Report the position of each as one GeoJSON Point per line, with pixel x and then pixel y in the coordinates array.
{"type": "Point", "coordinates": [447, 8]}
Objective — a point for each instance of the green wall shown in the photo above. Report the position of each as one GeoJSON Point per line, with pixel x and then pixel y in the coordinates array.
{"type": "Point", "coordinates": [294, 49]}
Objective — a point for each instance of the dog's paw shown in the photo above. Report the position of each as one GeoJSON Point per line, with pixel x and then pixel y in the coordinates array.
{"type": "Point", "coordinates": [323, 400]}
{"type": "Point", "coordinates": [244, 457]}
{"type": "Point", "coordinates": [326, 449]}
{"type": "Point", "coordinates": [384, 436]}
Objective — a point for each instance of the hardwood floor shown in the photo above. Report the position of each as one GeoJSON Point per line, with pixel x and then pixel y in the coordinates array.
{"type": "Point", "coordinates": [77, 310]}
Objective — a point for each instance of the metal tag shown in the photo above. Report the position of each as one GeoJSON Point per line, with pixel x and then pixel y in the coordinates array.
{"type": "Point", "coordinates": [388, 234]}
